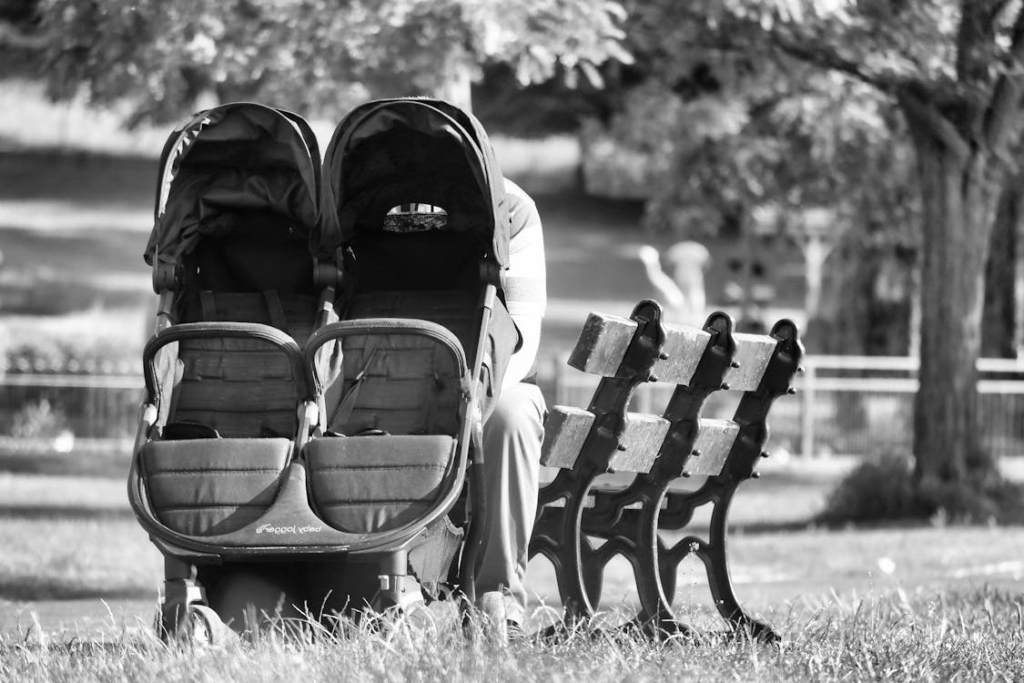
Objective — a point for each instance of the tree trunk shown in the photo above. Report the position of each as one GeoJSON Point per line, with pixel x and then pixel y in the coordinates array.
{"type": "Point", "coordinates": [1018, 282]}
{"type": "Point", "coordinates": [998, 331]}
{"type": "Point", "coordinates": [958, 200]}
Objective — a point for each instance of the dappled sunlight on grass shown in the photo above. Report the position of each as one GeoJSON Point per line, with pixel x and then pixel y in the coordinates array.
{"type": "Point", "coordinates": [60, 492]}
{"type": "Point", "coordinates": [56, 557]}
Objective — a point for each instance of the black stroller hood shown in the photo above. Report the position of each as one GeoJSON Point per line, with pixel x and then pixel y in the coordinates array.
{"type": "Point", "coordinates": [239, 157]}
{"type": "Point", "coordinates": [395, 151]}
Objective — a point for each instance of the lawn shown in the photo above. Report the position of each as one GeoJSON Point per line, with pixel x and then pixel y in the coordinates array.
{"type": "Point", "coordinates": [969, 636]}
{"type": "Point", "coordinates": [73, 538]}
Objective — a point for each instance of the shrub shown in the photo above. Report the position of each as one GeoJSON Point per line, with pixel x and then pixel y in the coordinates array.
{"type": "Point", "coordinates": [885, 490]}
{"type": "Point", "coordinates": [38, 419]}
{"type": "Point", "coordinates": [876, 490]}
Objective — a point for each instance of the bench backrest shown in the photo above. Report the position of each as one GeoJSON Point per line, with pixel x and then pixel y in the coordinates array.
{"type": "Point", "coordinates": [628, 352]}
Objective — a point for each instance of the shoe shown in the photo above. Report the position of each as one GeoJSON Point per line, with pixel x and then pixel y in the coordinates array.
{"type": "Point", "coordinates": [515, 632]}
{"type": "Point", "coordinates": [497, 624]}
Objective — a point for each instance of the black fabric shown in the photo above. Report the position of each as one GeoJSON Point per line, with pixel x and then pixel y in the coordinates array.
{"type": "Point", "coordinates": [434, 260]}
{"type": "Point", "coordinates": [250, 251]}
{"type": "Point", "coordinates": [239, 156]}
{"type": "Point", "coordinates": [391, 152]}
{"type": "Point", "coordinates": [189, 430]}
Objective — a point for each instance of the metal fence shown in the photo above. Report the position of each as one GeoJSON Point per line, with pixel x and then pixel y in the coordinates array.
{"type": "Point", "coordinates": [65, 411]}
{"type": "Point", "coordinates": [845, 405]}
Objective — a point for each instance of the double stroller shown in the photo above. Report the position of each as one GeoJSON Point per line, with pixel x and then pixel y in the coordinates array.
{"type": "Point", "coordinates": [329, 339]}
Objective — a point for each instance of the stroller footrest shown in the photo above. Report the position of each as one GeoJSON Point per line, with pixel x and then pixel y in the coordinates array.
{"type": "Point", "coordinates": [366, 484]}
{"type": "Point", "coordinates": [205, 487]}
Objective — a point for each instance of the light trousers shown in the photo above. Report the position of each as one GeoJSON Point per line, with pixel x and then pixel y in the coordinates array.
{"type": "Point", "coordinates": [512, 439]}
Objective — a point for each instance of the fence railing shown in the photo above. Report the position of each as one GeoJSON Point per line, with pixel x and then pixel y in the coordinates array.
{"type": "Point", "coordinates": [845, 405]}
{"type": "Point", "coordinates": [64, 411]}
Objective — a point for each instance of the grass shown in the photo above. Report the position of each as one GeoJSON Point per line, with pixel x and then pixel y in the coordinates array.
{"type": "Point", "coordinates": [938, 636]}
{"type": "Point", "coordinates": [74, 537]}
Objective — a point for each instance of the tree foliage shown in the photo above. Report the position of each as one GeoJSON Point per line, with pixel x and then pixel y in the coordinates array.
{"type": "Point", "coordinates": [313, 56]}
{"type": "Point", "coordinates": [751, 141]}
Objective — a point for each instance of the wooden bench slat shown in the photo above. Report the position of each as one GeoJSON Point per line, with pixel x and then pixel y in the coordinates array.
{"type": "Point", "coordinates": [565, 430]}
{"type": "Point", "coordinates": [683, 347]}
{"type": "Point", "coordinates": [642, 438]}
{"type": "Point", "coordinates": [753, 351]}
{"type": "Point", "coordinates": [602, 344]}
{"type": "Point", "coordinates": [714, 441]}
{"type": "Point", "coordinates": [604, 339]}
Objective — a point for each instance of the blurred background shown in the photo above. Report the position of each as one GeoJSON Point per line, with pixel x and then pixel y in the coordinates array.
{"type": "Point", "coordinates": [749, 157]}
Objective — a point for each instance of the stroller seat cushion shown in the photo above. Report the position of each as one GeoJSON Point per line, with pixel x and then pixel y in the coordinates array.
{"type": "Point", "coordinates": [203, 487]}
{"type": "Point", "coordinates": [368, 484]}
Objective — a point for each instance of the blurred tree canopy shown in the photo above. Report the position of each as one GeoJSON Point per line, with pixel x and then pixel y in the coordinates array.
{"type": "Point", "coordinates": [312, 56]}
{"type": "Point", "coordinates": [733, 136]}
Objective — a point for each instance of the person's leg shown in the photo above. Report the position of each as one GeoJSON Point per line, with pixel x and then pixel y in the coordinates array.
{"type": "Point", "coordinates": [512, 440]}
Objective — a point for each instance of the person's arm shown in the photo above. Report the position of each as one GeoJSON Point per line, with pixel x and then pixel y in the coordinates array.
{"type": "Point", "coordinates": [521, 363]}
{"type": "Point", "coordinates": [525, 281]}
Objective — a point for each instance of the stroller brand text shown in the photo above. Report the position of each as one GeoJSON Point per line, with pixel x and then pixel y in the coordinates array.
{"type": "Point", "coordinates": [271, 529]}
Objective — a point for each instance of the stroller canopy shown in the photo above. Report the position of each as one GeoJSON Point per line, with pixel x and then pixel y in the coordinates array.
{"type": "Point", "coordinates": [387, 153]}
{"type": "Point", "coordinates": [236, 158]}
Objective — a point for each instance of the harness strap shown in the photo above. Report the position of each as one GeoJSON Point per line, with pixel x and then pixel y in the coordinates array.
{"type": "Point", "coordinates": [208, 304]}
{"type": "Point", "coordinates": [348, 401]}
{"type": "Point", "coordinates": [276, 310]}
{"type": "Point", "coordinates": [430, 410]}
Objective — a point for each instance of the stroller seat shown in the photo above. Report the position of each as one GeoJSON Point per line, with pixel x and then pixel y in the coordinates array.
{"type": "Point", "coordinates": [404, 383]}
{"type": "Point", "coordinates": [217, 488]}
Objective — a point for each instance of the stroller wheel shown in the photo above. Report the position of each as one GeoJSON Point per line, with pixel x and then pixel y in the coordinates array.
{"type": "Point", "coordinates": [207, 628]}
{"type": "Point", "coordinates": [199, 626]}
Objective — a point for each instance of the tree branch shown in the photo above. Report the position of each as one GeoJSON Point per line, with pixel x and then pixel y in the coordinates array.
{"type": "Point", "coordinates": [11, 36]}
{"type": "Point", "coordinates": [805, 48]}
{"type": "Point", "coordinates": [921, 110]}
{"type": "Point", "coordinates": [1001, 118]}
{"type": "Point", "coordinates": [826, 56]}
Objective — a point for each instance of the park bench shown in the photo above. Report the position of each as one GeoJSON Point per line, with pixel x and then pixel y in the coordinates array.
{"type": "Point", "coordinates": [657, 450]}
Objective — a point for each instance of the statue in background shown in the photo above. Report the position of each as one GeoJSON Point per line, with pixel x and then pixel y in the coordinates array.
{"type": "Point", "coordinates": [682, 293]}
